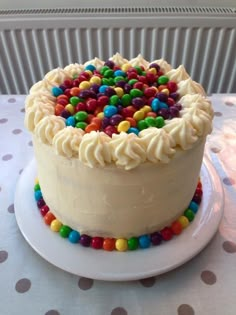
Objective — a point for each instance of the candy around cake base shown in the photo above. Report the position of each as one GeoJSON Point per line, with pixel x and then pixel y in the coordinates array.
{"type": "Point", "coordinates": [119, 244]}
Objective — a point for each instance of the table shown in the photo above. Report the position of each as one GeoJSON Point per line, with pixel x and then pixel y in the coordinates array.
{"type": "Point", "coordinates": [30, 285]}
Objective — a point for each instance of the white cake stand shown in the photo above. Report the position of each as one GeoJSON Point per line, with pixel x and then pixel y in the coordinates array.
{"type": "Point", "coordinates": [119, 266]}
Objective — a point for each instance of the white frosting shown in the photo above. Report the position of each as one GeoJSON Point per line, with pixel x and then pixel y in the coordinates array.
{"type": "Point", "coordinates": [190, 87]}
{"type": "Point", "coordinates": [98, 63]}
{"type": "Point", "coordinates": [159, 145]}
{"type": "Point", "coordinates": [36, 113]}
{"type": "Point", "coordinates": [94, 149]}
{"type": "Point", "coordinates": [57, 76]}
{"type": "Point", "coordinates": [200, 121]}
{"type": "Point", "coordinates": [178, 74]}
{"type": "Point", "coordinates": [48, 127]}
{"type": "Point", "coordinates": [118, 59]}
{"type": "Point", "coordinates": [42, 87]}
{"type": "Point", "coordinates": [182, 132]}
{"type": "Point", "coordinates": [31, 100]}
{"type": "Point", "coordinates": [196, 101]}
{"type": "Point", "coordinates": [164, 65]}
{"type": "Point", "coordinates": [139, 61]}
{"type": "Point", "coordinates": [128, 150]}
{"type": "Point", "coordinates": [67, 141]}
{"type": "Point", "coordinates": [74, 69]}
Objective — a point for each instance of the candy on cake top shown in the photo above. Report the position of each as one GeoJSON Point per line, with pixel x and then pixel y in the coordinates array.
{"type": "Point", "coordinates": [118, 111]}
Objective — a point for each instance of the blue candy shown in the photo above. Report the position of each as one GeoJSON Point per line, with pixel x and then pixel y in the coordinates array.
{"type": "Point", "coordinates": [103, 88]}
{"type": "Point", "coordinates": [119, 73]}
{"type": "Point", "coordinates": [144, 241]}
{"type": "Point", "coordinates": [70, 121]}
{"type": "Point", "coordinates": [74, 237]}
{"type": "Point", "coordinates": [110, 110]}
{"type": "Point", "coordinates": [193, 206]}
{"type": "Point", "coordinates": [56, 91]}
{"type": "Point", "coordinates": [38, 195]}
{"type": "Point", "coordinates": [133, 130]}
{"type": "Point", "coordinates": [90, 67]}
{"type": "Point", "coordinates": [155, 105]}
{"type": "Point", "coordinates": [163, 105]}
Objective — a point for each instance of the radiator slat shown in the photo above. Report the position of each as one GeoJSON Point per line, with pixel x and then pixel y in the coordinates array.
{"type": "Point", "coordinates": [208, 52]}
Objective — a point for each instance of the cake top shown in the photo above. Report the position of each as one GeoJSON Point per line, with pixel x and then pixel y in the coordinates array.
{"type": "Point", "coordinates": [118, 111]}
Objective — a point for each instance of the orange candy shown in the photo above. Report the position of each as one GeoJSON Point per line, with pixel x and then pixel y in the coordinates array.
{"type": "Point", "coordinates": [176, 227]}
{"type": "Point", "coordinates": [75, 91]}
{"type": "Point", "coordinates": [151, 114]}
{"type": "Point", "coordinates": [109, 244]}
{"type": "Point", "coordinates": [162, 87]}
{"type": "Point", "coordinates": [62, 96]}
{"type": "Point", "coordinates": [97, 121]}
{"type": "Point", "coordinates": [91, 127]}
{"type": "Point", "coordinates": [132, 121]}
{"type": "Point", "coordinates": [58, 109]}
{"type": "Point", "coordinates": [49, 217]}
{"type": "Point", "coordinates": [98, 110]}
{"type": "Point", "coordinates": [89, 118]}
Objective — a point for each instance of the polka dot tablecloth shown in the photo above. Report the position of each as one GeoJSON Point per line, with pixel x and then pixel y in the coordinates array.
{"type": "Point", "coordinates": [30, 285]}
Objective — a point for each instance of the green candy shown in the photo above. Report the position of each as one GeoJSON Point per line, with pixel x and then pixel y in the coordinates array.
{"type": "Point", "coordinates": [142, 124]}
{"type": "Point", "coordinates": [74, 100]}
{"type": "Point", "coordinates": [151, 121]}
{"type": "Point", "coordinates": [133, 243]}
{"type": "Point", "coordinates": [126, 100]}
{"type": "Point", "coordinates": [144, 73]}
{"type": "Point", "coordinates": [103, 69]}
{"type": "Point", "coordinates": [132, 81]}
{"type": "Point", "coordinates": [139, 69]}
{"type": "Point", "coordinates": [111, 81]}
{"type": "Point", "coordinates": [160, 122]}
{"type": "Point", "coordinates": [119, 78]}
{"type": "Point", "coordinates": [114, 99]}
{"type": "Point", "coordinates": [36, 187]}
{"type": "Point", "coordinates": [136, 93]}
{"type": "Point", "coordinates": [105, 81]}
{"type": "Point", "coordinates": [81, 125]}
{"type": "Point", "coordinates": [108, 73]}
{"type": "Point", "coordinates": [81, 116]}
{"type": "Point", "coordinates": [65, 231]}
{"type": "Point", "coordinates": [163, 79]}
{"type": "Point", "coordinates": [189, 214]}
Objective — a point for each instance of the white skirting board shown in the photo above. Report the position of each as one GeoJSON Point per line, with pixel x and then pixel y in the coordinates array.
{"type": "Point", "coordinates": [32, 42]}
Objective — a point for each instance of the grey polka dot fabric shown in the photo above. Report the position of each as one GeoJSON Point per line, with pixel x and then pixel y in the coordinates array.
{"type": "Point", "coordinates": [32, 284]}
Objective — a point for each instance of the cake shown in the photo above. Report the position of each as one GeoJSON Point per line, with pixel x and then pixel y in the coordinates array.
{"type": "Point", "coordinates": [118, 146]}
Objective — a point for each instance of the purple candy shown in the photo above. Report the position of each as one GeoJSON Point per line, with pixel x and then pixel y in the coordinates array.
{"type": "Point", "coordinates": [120, 108]}
{"type": "Point", "coordinates": [110, 64]}
{"type": "Point", "coordinates": [156, 238]}
{"type": "Point", "coordinates": [63, 87]}
{"type": "Point", "coordinates": [105, 122]}
{"type": "Point", "coordinates": [65, 114]}
{"type": "Point", "coordinates": [174, 95]}
{"type": "Point", "coordinates": [121, 84]}
{"type": "Point", "coordinates": [127, 88]}
{"type": "Point", "coordinates": [95, 87]}
{"type": "Point", "coordinates": [155, 65]}
{"type": "Point", "coordinates": [85, 240]}
{"type": "Point", "coordinates": [164, 112]}
{"type": "Point", "coordinates": [116, 119]}
{"type": "Point", "coordinates": [178, 106]}
{"type": "Point", "coordinates": [162, 97]}
{"type": "Point", "coordinates": [41, 203]}
{"type": "Point", "coordinates": [109, 91]}
{"type": "Point", "coordinates": [174, 112]}
{"type": "Point", "coordinates": [85, 94]}
{"type": "Point", "coordinates": [137, 102]}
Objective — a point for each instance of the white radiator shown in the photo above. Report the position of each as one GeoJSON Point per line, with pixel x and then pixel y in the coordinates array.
{"type": "Point", "coordinates": [34, 41]}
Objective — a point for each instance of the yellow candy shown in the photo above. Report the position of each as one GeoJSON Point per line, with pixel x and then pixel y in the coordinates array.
{"type": "Point", "coordinates": [166, 91]}
{"type": "Point", "coordinates": [121, 245]}
{"type": "Point", "coordinates": [85, 85]}
{"type": "Point", "coordinates": [146, 109]}
{"type": "Point", "coordinates": [139, 115]}
{"type": "Point", "coordinates": [55, 225]}
{"type": "Point", "coordinates": [152, 70]}
{"type": "Point", "coordinates": [119, 91]}
{"type": "Point", "coordinates": [70, 108]}
{"type": "Point", "coordinates": [100, 115]}
{"type": "Point", "coordinates": [125, 67]}
{"type": "Point", "coordinates": [95, 80]}
{"type": "Point", "coordinates": [123, 126]}
{"type": "Point", "coordinates": [183, 221]}
{"type": "Point", "coordinates": [36, 181]}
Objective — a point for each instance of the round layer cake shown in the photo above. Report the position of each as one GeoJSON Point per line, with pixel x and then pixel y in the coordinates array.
{"type": "Point", "coordinates": [118, 144]}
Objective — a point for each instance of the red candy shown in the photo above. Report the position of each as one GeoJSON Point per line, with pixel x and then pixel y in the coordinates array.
{"type": "Point", "coordinates": [150, 91]}
{"type": "Point", "coordinates": [91, 105]}
{"type": "Point", "coordinates": [80, 107]}
{"type": "Point", "coordinates": [172, 86]}
{"type": "Point", "coordinates": [103, 100]}
{"type": "Point", "coordinates": [97, 242]}
{"type": "Point", "coordinates": [166, 234]}
{"type": "Point", "coordinates": [44, 210]}
{"type": "Point", "coordinates": [170, 102]}
{"type": "Point", "coordinates": [138, 85]}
